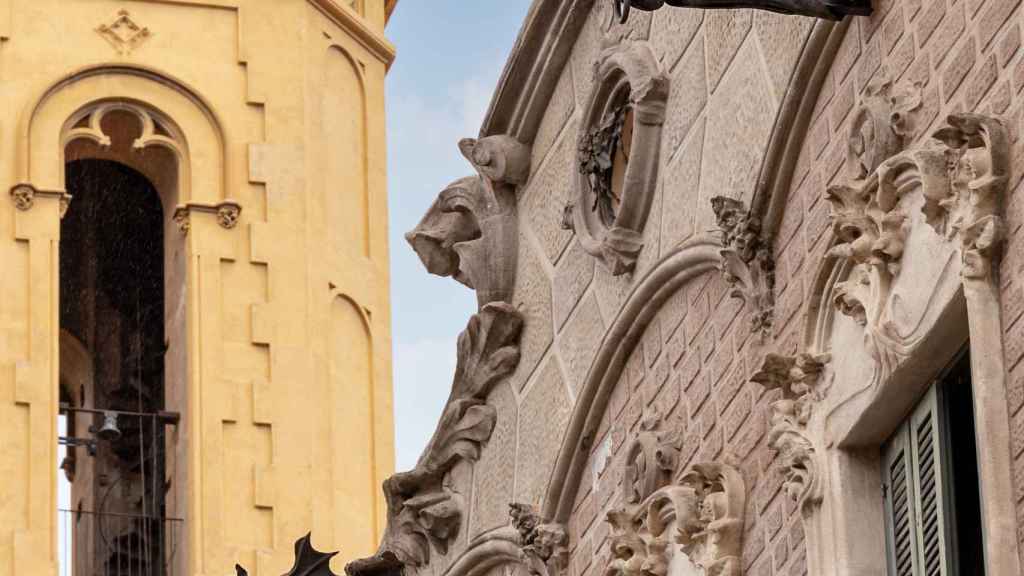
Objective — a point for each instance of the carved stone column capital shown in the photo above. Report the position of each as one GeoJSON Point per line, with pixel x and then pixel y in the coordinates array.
{"type": "Point", "coordinates": [227, 212]}
{"type": "Point", "coordinates": [747, 262]}
{"type": "Point", "coordinates": [24, 197]}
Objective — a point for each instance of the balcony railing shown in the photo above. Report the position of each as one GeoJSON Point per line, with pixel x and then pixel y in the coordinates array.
{"type": "Point", "coordinates": [112, 544]}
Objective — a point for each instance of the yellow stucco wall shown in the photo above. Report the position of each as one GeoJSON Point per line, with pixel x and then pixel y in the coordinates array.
{"type": "Point", "coordinates": [287, 404]}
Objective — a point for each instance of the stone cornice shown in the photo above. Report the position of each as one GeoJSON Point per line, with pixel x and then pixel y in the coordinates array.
{"type": "Point", "coordinates": [371, 39]}
{"type": "Point", "coordinates": [531, 73]}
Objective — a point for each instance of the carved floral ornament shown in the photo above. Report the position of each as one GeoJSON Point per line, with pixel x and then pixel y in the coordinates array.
{"type": "Point", "coordinates": [624, 117]}
{"type": "Point", "coordinates": [545, 545]}
{"type": "Point", "coordinates": [747, 262]}
{"type": "Point", "coordinates": [471, 232]}
{"type": "Point", "coordinates": [962, 172]}
{"type": "Point", "coordinates": [798, 379]}
{"type": "Point", "coordinates": [700, 515]}
{"type": "Point", "coordinates": [24, 197]}
{"type": "Point", "coordinates": [425, 513]}
{"type": "Point", "coordinates": [227, 213]}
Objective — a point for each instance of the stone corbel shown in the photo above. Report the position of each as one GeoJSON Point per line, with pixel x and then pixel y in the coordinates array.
{"type": "Point", "coordinates": [471, 231]}
{"type": "Point", "coordinates": [747, 262]}
{"type": "Point", "coordinates": [24, 197]}
{"type": "Point", "coordinates": [227, 212]}
{"type": "Point", "coordinates": [424, 513]}
{"type": "Point", "coordinates": [700, 516]}
{"type": "Point", "coordinates": [545, 545]}
{"type": "Point", "coordinates": [798, 379]}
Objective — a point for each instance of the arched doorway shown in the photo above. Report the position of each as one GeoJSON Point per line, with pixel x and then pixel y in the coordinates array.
{"type": "Point", "coordinates": [117, 269]}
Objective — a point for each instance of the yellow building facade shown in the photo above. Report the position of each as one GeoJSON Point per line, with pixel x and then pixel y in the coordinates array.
{"type": "Point", "coordinates": [195, 284]}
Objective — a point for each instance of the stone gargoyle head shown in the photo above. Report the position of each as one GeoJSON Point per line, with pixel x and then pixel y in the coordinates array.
{"type": "Point", "coordinates": [470, 232]}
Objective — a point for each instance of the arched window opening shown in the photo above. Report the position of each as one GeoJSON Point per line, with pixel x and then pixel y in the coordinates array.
{"type": "Point", "coordinates": [122, 353]}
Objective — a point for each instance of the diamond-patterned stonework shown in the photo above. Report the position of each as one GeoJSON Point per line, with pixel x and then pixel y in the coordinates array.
{"type": "Point", "coordinates": [124, 33]}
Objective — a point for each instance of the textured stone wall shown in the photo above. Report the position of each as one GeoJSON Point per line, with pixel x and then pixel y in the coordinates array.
{"type": "Point", "coordinates": [729, 72]}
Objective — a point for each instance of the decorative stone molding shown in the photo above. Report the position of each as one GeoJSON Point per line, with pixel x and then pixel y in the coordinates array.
{"type": "Point", "coordinates": [227, 213]}
{"type": "Point", "coordinates": [976, 150]}
{"type": "Point", "coordinates": [747, 262]}
{"type": "Point", "coordinates": [866, 216]}
{"type": "Point", "coordinates": [828, 9]}
{"type": "Point", "coordinates": [700, 516]}
{"type": "Point", "coordinates": [883, 123]}
{"type": "Point", "coordinates": [424, 512]}
{"type": "Point", "coordinates": [797, 378]}
{"type": "Point", "coordinates": [123, 33]}
{"type": "Point", "coordinates": [650, 459]}
{"type": "Point", "coordinates": [471, 231]}
{"type": "Point", "coordinates": [24, 197]}
{"type": "Point", "coordinates": [629, 83]}
{"type": "Point", "coordinates": [545, 545]}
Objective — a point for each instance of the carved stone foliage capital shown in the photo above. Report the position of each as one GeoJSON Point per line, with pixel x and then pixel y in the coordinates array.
{"type": "Point", "coordinates": [701, 516]}
{"type": "Point", "coordinates": [747, 262]}
{"type": "Point", "coordinates": [24, 197]}
{"type": "Point", "coordinates": [545, 545]}
{"type": "Point", "coordinates": [470, 231]}
{"type": "Point", "coordinates": [424, 512]}
{"type": "Point", "coordinates": [624, 114]}
{"type": "Point", "coordinates": [798, 379]}
{"type": "Point", "coordinates": [227, 213]}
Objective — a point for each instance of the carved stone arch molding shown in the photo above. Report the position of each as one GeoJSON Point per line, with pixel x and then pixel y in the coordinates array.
{"type": "Point", "coordinates": [170, 115]}
{"type": "Point", "coordinates": [629, 84]}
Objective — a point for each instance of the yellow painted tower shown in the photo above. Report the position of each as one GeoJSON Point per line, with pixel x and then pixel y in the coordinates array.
{"type": "Point", "coordinates": [195, 320]}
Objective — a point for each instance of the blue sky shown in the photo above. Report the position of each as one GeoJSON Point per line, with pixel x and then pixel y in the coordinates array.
{"type": "Point", "coordinates": [450, 56]}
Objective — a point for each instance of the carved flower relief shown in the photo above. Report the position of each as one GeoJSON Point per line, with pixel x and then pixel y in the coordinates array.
{"type": "Point", "coordinates": [618, 155]}
{"type": "Point", "coordinates": [700, 517]}
{"type": "Point", "coordinates": [747, 263]}
{"type": "Point", "coordinates": [798, 379]}
{"type": "Point", "coordinates": [882, 124]}
{"type": "Point", "coordinates": [545, 545]}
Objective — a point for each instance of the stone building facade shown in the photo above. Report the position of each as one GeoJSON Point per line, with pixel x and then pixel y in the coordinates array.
{"type": "Point", "coordinates": [195, 275]}
{"type": "Point", "coordinates": [750, 301]}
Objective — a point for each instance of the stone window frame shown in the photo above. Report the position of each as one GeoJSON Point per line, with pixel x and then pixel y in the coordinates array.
{"type": "Point", "coordinates": [626, 67]}
{"type": "Point", "coordinates": [840, 438]}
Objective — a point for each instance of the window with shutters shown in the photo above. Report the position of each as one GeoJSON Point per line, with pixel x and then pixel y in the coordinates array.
{"type": "Point", "coordinates": [930, 484]}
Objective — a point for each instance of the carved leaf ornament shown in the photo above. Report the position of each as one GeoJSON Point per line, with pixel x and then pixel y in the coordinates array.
{"type": "Point", "coordinates": [545, 545]}
{"type": "Point", "coordinates": [424, 513]}
{"type": "Point", "coordinates": [747, 263]}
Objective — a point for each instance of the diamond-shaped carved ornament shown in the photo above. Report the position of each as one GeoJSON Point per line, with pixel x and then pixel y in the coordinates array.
{"type": "Point", "coordinates": [308, 561]}
{"type": "Point", "coordinates": [124, 33]}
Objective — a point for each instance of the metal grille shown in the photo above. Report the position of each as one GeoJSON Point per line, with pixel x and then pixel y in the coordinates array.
{"type": "Point", "coordinates": [109, 544]}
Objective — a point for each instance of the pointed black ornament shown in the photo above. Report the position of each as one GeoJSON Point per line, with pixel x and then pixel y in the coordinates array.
{"type": "Point", "coordinates": [308, 561]}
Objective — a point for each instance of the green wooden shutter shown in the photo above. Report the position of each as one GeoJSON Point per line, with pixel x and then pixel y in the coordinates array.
{"type": "Point", "coordinates": [901, 541]}
{"type": "Point", "coordinates": [917, 494]}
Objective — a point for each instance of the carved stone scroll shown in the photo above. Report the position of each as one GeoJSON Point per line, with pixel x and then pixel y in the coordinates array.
{"type": "Point", "coordinates": [747, 262]}
{"type": "Point", "coordinates": [827, 9]}
{"type": "Point", "coordinates": [470, 232]}
{"type": "Point", "coordinates": [627, 104]}
{"type": "Point", "coordinates": [545, 545]}
{"type": "Point", "coordinates": [227, 213]}
{"type": "Point", "coordinates": [797, 378]}
{"type": "Point", "coordinates": [701, 516]}
{"type": "Point", "coordinates": [424, 513]}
